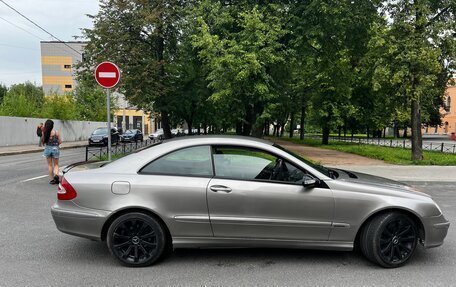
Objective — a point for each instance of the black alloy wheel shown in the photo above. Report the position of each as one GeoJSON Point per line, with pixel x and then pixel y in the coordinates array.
{"type": "Point", "coordinates": [390, 239]}
{"type": "Point", "coordinates": [136, 239]}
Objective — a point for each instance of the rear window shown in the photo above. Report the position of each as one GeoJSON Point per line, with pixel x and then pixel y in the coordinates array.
{"type": "Point", "coordinates": [192, 161]}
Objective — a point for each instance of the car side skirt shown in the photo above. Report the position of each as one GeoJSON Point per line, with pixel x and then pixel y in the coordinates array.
{"type": "Point", "coordinates": [224, 242]}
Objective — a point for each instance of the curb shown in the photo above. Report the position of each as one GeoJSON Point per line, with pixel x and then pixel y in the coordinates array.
{"type": "Point", "coordinates": [37, 150]}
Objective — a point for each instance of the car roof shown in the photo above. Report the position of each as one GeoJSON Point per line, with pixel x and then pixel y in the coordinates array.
{"type": "Point", "coordinates": [217, 139]}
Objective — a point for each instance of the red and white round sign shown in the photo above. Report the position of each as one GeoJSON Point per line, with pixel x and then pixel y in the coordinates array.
{"type": "Point", "coordinates": [107, 75]}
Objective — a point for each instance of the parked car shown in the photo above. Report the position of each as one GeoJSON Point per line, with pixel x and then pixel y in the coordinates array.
{"type": "Point", "coordinates": [157, 135]}
{"type": "Point", "coordinates": [100, 137]}
{"type": "Point", "coordinates": [227, 191]}
{"type": "Point", "coordinates": [132, 136]}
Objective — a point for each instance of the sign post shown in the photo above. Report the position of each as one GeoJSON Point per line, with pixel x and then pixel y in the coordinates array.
{"type": "Point", "coordinates": [107, 75]}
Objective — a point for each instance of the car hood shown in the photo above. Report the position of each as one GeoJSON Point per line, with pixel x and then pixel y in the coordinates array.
{"type": "Point", "coordinates": [375, 181]}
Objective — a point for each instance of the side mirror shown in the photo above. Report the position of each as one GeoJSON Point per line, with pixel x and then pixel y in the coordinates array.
{"type": "Point", "coordinates": [310, 182]}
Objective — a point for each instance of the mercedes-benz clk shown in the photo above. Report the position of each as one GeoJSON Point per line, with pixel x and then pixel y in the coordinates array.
{"type": "Point", "coordinates": [227, 191]}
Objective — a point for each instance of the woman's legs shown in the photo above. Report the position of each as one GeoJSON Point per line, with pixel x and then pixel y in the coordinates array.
{"type": "Point", "coordinates": [50, 167]}
{"type": "Point", "coordinates": [56, 167]}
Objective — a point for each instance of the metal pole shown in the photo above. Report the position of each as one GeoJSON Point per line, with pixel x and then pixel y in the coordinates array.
{"type": "Point", "coordinates": [108, 110]}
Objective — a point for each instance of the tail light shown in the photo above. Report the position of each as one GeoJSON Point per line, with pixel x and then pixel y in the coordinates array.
{"type": "Point", "coordinates": [65, 191]}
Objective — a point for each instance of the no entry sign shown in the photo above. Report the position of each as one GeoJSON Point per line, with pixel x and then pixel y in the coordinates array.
{"type": "Point", "coordinates": [107, 75]}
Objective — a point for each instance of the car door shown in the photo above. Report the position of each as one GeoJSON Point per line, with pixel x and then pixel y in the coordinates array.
{"type": "Point", "coordinates": [174, 186]}
{"type": "Point", "coordinates": [255, 194]}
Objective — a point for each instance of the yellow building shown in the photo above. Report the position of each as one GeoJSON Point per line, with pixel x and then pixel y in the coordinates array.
{"type": "Point", "coordinates": [128, 117]}
{"type": "Point", "coordinates": [58, 62]}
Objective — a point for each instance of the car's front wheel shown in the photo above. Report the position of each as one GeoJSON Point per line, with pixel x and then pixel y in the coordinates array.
{"type": "Point", "coordinates": [136, 239]}
{"type": "Point", "coordinates": [389, 239]}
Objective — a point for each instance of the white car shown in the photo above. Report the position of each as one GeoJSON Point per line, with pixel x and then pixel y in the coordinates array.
{"type": "Point", "coordinates": [157, 135]}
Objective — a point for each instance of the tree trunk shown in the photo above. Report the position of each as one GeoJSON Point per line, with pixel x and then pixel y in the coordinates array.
{"type": "Point", "coordinates": [292, 123]}
{"type": "Point", "coordinates": [165, 125]}
{"type": "Point", "coordinates": [239, 128]}
{"type": "Point", "coordinates": [417, 141]}
{"type": "Point", "coordinates": [325, 137]}
{"type": "Point", "coordinates": [303, 117]}
{"type": "Point", "coordinates": [190, 128]}
{"type": "Point", "coordinates": [404, 135]}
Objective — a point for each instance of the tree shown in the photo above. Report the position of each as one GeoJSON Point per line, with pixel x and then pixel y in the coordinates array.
{"type": "Point", "coordinates": [141, 37]}
{"type": "Point", "coordinates": [22, 100]}
{"type": "Point", "coordinates": [331, 39]}
{"type": "Point", "coordinates": [417, 45]}
{"type": "Point", "coordinates": [240, 44]}
{"type": "Point", "coordinates": [3, 90]}
{"type": "Point", "coordinates": [62, 107]}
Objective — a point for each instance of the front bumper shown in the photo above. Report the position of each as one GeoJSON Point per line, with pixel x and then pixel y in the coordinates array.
{"type": "Point", "coordinates": [436, 229]}
{"type": "Point", "coordinates": [75, 220]}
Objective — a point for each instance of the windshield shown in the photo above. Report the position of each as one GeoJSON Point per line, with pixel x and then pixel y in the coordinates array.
{"type": "Point", "coordinates": [129, 132]}
{"type": "Point", "coordinates": [100, 131]}
{"type": "Point", "coordinates": [320, 168]}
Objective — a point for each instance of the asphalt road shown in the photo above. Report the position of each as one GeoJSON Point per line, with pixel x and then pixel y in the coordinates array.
{"type": "Point", "coordinates": [34, 253]}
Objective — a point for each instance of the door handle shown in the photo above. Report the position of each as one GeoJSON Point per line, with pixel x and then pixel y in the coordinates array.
{"type": "Point", "coordinates": [216, 188]}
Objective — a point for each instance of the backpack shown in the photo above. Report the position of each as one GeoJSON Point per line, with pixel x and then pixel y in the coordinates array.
{"type": "Point", "coordinates": [39, 132]}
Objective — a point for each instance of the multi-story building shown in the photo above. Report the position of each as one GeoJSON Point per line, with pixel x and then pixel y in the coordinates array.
{"type": "Point", "coordinates": [448, 113]}
{"type": "Point", "coordinates": [58, 62]}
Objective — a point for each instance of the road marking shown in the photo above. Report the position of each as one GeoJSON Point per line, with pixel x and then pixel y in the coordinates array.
{"type": "Point", "coordinates": [41, 176]}
{"type": "Point", "coordinates": [33, 178]}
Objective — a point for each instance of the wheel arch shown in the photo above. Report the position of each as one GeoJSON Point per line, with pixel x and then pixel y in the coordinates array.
{"type": "Point", "coordinates": [415, 217]}
{"type": "Point", "coordinates": [120, 212]}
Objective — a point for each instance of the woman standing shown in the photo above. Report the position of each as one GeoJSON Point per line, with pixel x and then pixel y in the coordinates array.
{"type": "Point", "coordinates": [51, 141]}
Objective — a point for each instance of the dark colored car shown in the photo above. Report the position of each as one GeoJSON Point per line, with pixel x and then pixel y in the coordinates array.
{"type": "Point", "coordinates": [100, 137]}
{"type": "Point", "coordinates": [132, 136]}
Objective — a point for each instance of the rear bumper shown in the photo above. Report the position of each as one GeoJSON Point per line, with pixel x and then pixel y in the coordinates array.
{"type": "Point", "coordinates": [436, 229]}
{"type": "Point", "coordinates": [75, 220]}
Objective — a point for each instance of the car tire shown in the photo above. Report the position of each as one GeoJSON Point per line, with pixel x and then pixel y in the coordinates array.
{"type": "Point", "coordinates": [136, 239]}
{"type": "Point", "coordinates": [389, 239]}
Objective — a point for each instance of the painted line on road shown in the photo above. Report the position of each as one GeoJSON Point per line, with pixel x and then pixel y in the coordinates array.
{"type": "Point", "coordinates": [41, 176]}
{"type": "Point", "coordinates": [33, 178]}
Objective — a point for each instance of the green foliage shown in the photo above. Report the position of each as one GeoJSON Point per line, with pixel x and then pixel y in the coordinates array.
{"type": "Point", "coordinates": [59, 107]}
{"type": "Point", "coordinates": [3, 90]}
{"type": "Point", "coordinates": [240, 50]}
{"type": "Point", "coordinates": [344, 64]}
{"type": "Point", "coordinates": [22, 100]}
{"type": "Point", "coordinates": [90, 101]}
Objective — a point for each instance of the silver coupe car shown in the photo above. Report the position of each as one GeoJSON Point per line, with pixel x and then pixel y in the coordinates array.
{"type": "Point", "coordinates": [227, 191]}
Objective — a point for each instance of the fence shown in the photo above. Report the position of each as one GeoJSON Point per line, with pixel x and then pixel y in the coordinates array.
{"type": "Point", "coordinates": [98, 152]}
{"type": "Point", "coordinates": [406, 144]}
{"type": "Point", "coordinates": [22, 131]}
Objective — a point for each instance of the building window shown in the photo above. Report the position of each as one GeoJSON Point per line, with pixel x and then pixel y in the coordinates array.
{"type": "Point", "coordinates": [68, 86]}
{"type": "Point", "coordinates": [67, 66]}
{"type": "Point", "coordinates": [448, 104]}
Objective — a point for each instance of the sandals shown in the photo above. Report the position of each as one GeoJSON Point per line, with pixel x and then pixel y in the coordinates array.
{"type": "Point", "coordinates": [56, 180]}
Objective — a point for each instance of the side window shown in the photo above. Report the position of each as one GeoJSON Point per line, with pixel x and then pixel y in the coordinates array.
{"type": "Point", "coordinates": [193, 161]}
{"type": "Point", "coordinates": [252, 164]}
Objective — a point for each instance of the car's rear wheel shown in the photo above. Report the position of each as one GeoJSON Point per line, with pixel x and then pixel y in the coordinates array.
{"type": "Point", "coordinates": [136, 239]}
{"type": "Point", "coordinates": [389, 239]}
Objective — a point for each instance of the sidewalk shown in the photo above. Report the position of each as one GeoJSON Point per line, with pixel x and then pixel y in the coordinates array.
{"type": "Point", "coordinates": [337, 159]}
{"type": "Point", "coordinates": [20, 149]}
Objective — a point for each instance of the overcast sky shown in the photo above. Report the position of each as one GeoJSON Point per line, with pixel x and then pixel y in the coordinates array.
{"type": "Point", "coordinates": [20, 51]}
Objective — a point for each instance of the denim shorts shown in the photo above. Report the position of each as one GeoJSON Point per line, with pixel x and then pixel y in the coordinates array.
{"type": "Point", "coordinates": [51, 151]}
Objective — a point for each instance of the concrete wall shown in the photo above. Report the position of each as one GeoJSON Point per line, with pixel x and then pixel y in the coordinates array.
{"type": "Point", "coordinates": [22, 131]}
